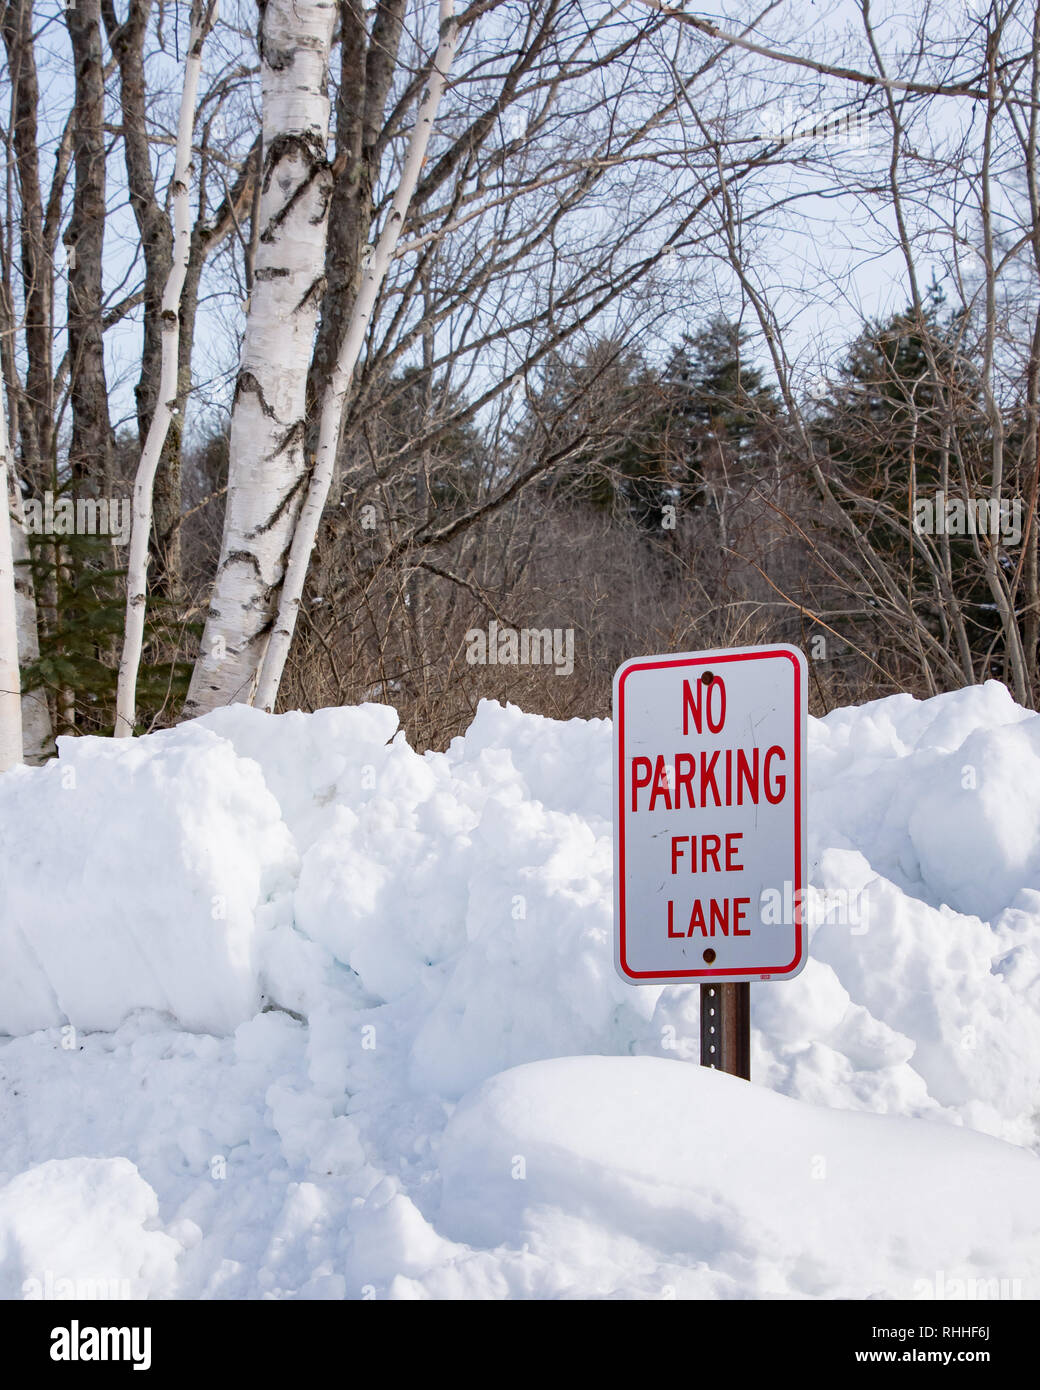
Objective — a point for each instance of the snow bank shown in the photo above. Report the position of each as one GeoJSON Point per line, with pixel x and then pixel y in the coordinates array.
{"type": "Point", "coordinates": [601, 1159]}
{"type": "Point", "coordinates": [245, 860]}
{"type": "Point", "coordinates": [275, 952]}
{"type": "Point", "coordinates": [83, 1228]}
{"type": "Point", "coordinates": [137, 874]}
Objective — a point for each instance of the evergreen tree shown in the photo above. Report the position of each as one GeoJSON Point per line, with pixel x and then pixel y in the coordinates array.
{"type": "Point", "coordinates": [903, 421]}
{"type": "Point", "coordinates": [886, 406]}
{"type": "Point", "coordinates": [681, 436]}
{"type": "Point", "coordinates": [720, 412]}
{"type": "Point", "coordinates": [613, 398]}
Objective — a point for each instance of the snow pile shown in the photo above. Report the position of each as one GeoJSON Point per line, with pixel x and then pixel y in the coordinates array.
{"type": "Point", "coordinates": [598, 1161]}
{"type": "Point", "coordinates": [933, 807]}
{"type": "Point", "coordinates": [82, 1228]}
{"type": "Point", "coordinates": [276, 952]}
{"type": "Point", "coordinates": [137, 874]}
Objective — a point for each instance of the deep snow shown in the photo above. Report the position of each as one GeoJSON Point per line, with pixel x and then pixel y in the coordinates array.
{"type": "Point", "coordinates": [297, 1012]}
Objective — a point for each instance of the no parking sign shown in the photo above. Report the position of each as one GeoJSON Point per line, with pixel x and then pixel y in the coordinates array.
{"type": "Point", "coordinates": [709, 816]}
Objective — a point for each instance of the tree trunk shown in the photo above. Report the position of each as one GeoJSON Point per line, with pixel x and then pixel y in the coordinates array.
{"type": "Point", "coordinates": [165, 404]}
{"type": "Point", "coordinates": [267, 466]}
{"type": "Point", "coordinates": [335, 396]}
{"type": "Point", "coordinates": [37, 731]}
{"type": "Point", "coordinates": [37, 428]}
{"type": "Point", "coordinates": [153, 224]}
{"type": "Point", "coordinates": [10, 679]}
{"type": "Point", "coordinates": [90, 452]}
{"type": "Point", "coordinates": [367, 67]}
{"type": "Point", "coordinates": [207, 234]}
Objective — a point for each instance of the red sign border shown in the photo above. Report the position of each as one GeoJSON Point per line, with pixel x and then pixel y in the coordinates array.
{"type": "Point", "coordinates": [713, 659]}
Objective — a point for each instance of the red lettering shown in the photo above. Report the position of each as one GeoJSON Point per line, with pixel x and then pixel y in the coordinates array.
{"type": "Point", "coordinates": [676, 934]}
{"type": "Point", "coordinates": [671, 780]}
{"type": "Point", "coordinates": [684, 778]}
{"type": "Point", "coordinates": [693, 704]}
{"type": "Point", "coordinates": [697, 920]}
{"type": "Point", "coordinates": [717, 685]}
{"type": "Point", "coordinates": [777, 794]}
{"type": "Point", "coordinates": [731, 853]}
{"type": "Point", "coordinates": [718, 919]}
{"type": "Point", "coordinates": [637, 781]}
{"type": "Point", "coordinates": [708, 778]}
{"type": "Point", "coordinates": [710, 846]}
{"type": "Point", "coordinates": [747, 776]}
{"type": "Point", "coordinates": [661, 787]}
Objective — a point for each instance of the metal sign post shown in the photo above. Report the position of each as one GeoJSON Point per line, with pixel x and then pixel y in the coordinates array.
{"type": "Point", "coordinates": [726, 1028]}
{"type": "Point", "coordinates": [709, 830]}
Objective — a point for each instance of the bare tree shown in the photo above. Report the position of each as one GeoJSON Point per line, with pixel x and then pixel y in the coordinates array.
{"type": "Point", "coordinates": [10, 678]}
{"type": "Point", "coordinates": [268, 465]}
{"type": "Point", "coordinates": [952, 129]}
{"type": "Point", "coordinates": [90, 450]}
{"type": "Point", "coordinates": [164, 405]}
{"type": "Point", "coordinates": [339, 382]}
{"type": "Point", "coordinates": [492, 203]}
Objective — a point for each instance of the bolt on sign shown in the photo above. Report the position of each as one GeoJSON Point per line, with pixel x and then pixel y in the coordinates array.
{"type": "Point", "coordinates": [709, 816]}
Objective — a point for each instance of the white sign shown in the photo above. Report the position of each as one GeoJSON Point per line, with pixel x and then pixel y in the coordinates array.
{"type": "Point", "coordinates": [709, 816]}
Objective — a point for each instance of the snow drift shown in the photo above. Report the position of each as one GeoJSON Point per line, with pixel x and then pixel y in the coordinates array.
{"type": "Point", "coordinates": [275, 952]}
{"type": "Point", "coordinates": [776, 1198]}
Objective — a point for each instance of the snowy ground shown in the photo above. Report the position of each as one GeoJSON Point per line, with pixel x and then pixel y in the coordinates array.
{"type": "Point", "coordinates": [291, 1011]}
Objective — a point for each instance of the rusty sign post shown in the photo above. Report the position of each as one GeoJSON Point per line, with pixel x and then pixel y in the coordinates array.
{"type": "Point", "coordinates": [726, 1028]}
{"type": "Point", "coordinates": [709, 830]}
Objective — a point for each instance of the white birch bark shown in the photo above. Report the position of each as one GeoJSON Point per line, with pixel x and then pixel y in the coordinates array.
{"type": "Point", "coordinates": [37, 731]}
{"type": "Point", "coordinates": [203, 17]}
{"type": "Point", "coordinates": [334, 398]}
{"type": "Point", "coordinates": [10, 675]}
{"type": "Point", "coordinates": [267, 465]}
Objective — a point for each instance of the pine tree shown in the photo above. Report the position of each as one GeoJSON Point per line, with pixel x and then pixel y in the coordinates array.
{"type": "Point", "coordinates": [903, 421]}
{"type": "Point", "coordinates": [81, 632]}
{"type": "Point", "coordinates": [719, 412]}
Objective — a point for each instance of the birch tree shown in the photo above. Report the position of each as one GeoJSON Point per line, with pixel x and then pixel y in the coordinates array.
{"type": "Point", "coordinates": [346, 361]}
{"type": "Point", "coordinates": [268, 465]}
{"type": "Point", "coordinates": [32, 420]}
{"type": "Point", "coordinates": [37, 730]}
{"type": "Point", "coordinates": [10, 678]}
{"type": "Point", "coordinates": [542, 127]}
{"type": "Point", "coordinates": [203, 16]}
